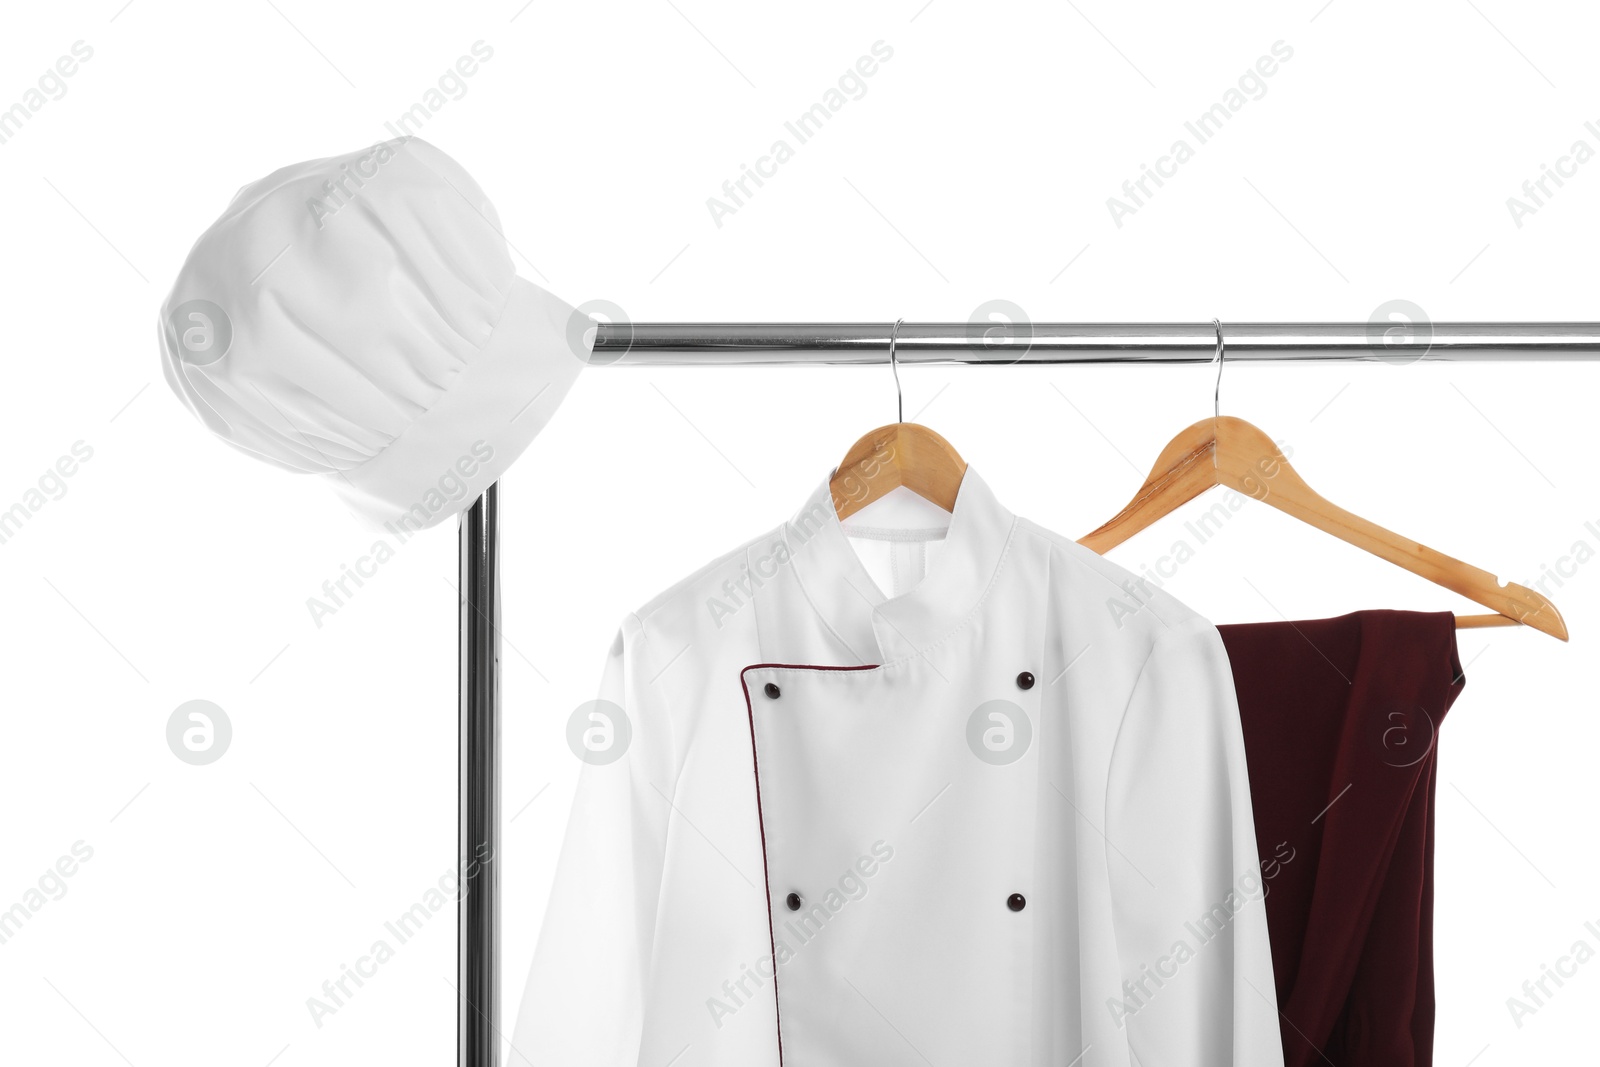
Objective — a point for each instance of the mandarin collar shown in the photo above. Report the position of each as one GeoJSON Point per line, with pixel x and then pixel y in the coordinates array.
{"type": "Point", "coordinates": [879, 629]}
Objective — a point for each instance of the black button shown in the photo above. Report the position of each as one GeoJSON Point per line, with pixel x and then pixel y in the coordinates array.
{"type": "Point", "coordinates": [793, 900]}
{"type": "Point", "coordinates": [1016, 901]}
{"type": "Point", "coordinates": [772, 690]}
{"type": "Point", "coordinates": [1025, 680]}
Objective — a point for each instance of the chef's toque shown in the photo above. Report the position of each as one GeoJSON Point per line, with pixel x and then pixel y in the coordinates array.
{"type": "Point", "coordinates": [359, 317]}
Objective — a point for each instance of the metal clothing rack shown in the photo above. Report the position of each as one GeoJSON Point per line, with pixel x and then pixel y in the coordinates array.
{"type": "Point", "coordinates": [479, 1032]}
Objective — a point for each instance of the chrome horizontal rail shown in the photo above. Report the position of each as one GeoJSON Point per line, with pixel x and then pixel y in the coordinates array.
{"type": "Point", "coordinates": [778, 343]}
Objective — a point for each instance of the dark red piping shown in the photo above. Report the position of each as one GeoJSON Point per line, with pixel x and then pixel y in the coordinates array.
{"type": "Point", "coordinates": [761, 821]}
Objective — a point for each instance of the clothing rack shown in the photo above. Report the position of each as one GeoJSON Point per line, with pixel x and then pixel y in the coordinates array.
{"type": "Point", "coordinates": [780, 344]}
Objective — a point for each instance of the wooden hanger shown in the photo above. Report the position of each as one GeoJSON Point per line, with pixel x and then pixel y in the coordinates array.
{"type": "Point", "coordinates": [1230, 452]}
{"type": "Point", "coordinates": [901, 453]}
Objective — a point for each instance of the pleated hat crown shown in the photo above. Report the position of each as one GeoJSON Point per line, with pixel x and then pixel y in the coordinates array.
{"type": "Point", "coordinates": [359, 317]}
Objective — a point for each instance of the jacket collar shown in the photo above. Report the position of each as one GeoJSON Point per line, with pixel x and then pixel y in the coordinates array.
{"type": "Point", "coordinates": [879, 629]}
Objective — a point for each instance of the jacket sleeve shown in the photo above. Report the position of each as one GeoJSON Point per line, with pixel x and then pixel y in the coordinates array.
{"type": "Point", "coordinates": [1187, 894]}
{"type": "Point", "coordinates": [583, 1003]}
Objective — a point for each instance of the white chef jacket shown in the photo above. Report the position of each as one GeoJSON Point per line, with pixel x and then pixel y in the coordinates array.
{"type": "Point", "coordinates": [998, 815]}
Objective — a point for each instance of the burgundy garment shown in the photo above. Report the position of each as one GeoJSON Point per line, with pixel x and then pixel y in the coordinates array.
{"type": "Point", "coordinates": [1340, 721]}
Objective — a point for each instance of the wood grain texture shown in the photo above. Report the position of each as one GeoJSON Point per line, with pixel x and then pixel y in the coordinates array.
{"type": "Point", "coordinates": [1232, 453]}
{"type": "Point", "coordinates": [901, 453]}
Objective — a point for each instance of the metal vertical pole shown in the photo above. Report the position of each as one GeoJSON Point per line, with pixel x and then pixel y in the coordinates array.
{"type": "Point", "coordinates": [478, 837]}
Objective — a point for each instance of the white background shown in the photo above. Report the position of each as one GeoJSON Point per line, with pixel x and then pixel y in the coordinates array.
{"type": "Point", "coordinates": [977, 165]}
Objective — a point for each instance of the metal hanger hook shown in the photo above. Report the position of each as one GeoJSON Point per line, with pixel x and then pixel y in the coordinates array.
{"type": "Point", "coordinates": [894, 365]}
{"type": "Point", "coordinates": [1216, 392]}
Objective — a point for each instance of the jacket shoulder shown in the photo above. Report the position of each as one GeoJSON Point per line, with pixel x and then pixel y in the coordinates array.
{"type": "Point", "coordinates": [706, 600]}
{"type": "Point", "coordinates": [1131, 601]}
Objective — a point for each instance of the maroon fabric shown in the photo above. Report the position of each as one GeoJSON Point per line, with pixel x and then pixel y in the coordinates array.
{"type": "Point", "coordinates": [1340, 721]}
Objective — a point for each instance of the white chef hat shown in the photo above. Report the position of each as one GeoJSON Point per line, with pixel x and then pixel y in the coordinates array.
{"type": "Point", "coordinates": [360, 317]}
